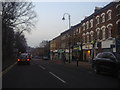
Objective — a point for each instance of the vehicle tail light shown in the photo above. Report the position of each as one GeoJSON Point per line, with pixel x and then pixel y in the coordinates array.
{"type": "Point", "coordinates": [28, 59]}
{"type": "Point", "coordinates": [18, 59]}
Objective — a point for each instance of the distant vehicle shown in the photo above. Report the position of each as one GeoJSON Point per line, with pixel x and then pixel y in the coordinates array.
{"type": "Point", "coordinates": [107, 62]}
{"type": "Point", "coordinates": [45, 58]}
{"type": "Point", "coordinates": [37, 57]}
{"type": "Point", "coordinates": [24, 58]}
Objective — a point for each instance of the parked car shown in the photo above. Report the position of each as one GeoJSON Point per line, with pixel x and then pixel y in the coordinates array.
{"type": "Point", "coordinates": [107, 62]}
{"type": "Point", "coordinates": [24, 58]}
{"type": "Point", "coordinates": [37, 57]}
{"type": "Point", "coordinates": [45, 58]}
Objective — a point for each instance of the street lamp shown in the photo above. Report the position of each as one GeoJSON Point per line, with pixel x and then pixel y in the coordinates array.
{"type": "Point", "coordinates": [68, 18]}
{"type": "Point", "coordinates": [69, 28]}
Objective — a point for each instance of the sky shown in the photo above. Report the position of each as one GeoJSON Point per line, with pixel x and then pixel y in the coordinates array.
{"type": "Point", "coordinates": [49, 18]}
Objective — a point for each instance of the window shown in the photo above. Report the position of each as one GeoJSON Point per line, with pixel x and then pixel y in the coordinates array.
{"type": "Point", "coordinates": [103, 17]}
{"type": "Point", "coordinates": [83, 26]}
{"type": "Point", "coordinates": [98, 33]}
{"type": "Point", "coordinates": [117, 55]}
{"type": "Point", "coordinates": [103, 32]}
{"type": "Point", "coordinates": [98, 20]}
{"type": "Point", "coordinates": [100, 55]}
{"type": "Point", "coordinates": [87, 23]}
{"type": "Point", "coordinates": [109, 14]}
{"type": "Point", "coordinates": [91, 23]}
{"type": "Point", "coordinates": [87, 34]}
{"type": "Point", "coordinates": [83, 37]}
{"type": "Point", "coordinates": [91, 33]}
{"type": "Point", "coordinates": [109, 26]}
{"type": "Point", "coordinates": [118, 9]}
{"type": "Point", "coordinates": [79, 30]}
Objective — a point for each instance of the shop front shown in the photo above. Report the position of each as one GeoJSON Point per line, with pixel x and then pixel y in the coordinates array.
{"type": "Point", "coordinates": [87, 52]}
{"type": "Point", "coordinates": [77, 53]}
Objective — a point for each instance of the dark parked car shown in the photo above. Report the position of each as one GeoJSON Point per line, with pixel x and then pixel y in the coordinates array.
{"type": "Point", "coordinates": [107, 62]}
{"type": "Point", "coordinates": [45, 58]}
{"type": "Point", "coordinates": [24, 58]}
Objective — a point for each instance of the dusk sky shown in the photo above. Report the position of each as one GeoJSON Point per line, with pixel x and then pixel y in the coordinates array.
{"type": "Point", "coordinates": [49, 18]}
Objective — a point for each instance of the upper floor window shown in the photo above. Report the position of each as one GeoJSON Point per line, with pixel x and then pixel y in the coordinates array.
{"type": "Point", "coordinates": [92, 33]}
{"type": "Point", "coordinates": [109, 26]}
{"type": "Point", "coordinates": [103, 28]}
{"type": "Point", "coordinates": [91, 23]}
{"type": "Point", "coordinates": [103, 17]}
{"type": "Point", "coordinates": [109, 14]}
{"type": "Point", "coordinates": [118, 9]}
{"type": "Point", "coordinates": [98, 33]}
{"type": "Point", "coordinates": [83, 37]}
{"type": "Point", "coordinates": [87, 34]}
{"type": "Point", "coordinates": [87, 24]}
{"type": "Point", "coordinates": [83, 26]}
{"type": "Point", "coordinates": [97, 20]}
{"type": "Point", "coordinates": [79, 30]}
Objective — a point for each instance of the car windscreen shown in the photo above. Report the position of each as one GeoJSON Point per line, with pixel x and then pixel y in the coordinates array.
{"type": "Point", "coordinates": [117, 56]}
{"type": "Point", "coordinates": [23, 57]}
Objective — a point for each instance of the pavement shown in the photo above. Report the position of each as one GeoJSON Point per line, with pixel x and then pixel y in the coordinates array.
{"type": "Point", "coordinates": [83, 64]}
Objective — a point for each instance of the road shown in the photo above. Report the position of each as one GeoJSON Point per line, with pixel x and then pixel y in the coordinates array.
{"type": "Point", "coordinates": [46, 74]}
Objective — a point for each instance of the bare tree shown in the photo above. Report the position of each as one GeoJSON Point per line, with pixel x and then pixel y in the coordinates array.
{"type": "Point", "coordinates": [19, 15]}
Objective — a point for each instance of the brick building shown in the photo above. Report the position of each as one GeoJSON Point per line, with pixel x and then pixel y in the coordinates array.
{"type": "Point", "coordinates": [96, 33]}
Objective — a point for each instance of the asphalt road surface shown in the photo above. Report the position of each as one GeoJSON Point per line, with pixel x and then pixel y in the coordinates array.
{"type": "Point", "coordinates": [46, 74]}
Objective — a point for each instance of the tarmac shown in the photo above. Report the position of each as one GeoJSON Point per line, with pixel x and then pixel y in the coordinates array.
{"type": "Point", "coordinates": [83, 64]}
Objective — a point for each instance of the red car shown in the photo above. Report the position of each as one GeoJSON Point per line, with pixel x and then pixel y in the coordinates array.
{"type": "Point", "coordinates": [24, 58]}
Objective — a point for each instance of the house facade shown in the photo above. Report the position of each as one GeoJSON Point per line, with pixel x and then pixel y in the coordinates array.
{"type": "Point", "coordinates": [98, 32]}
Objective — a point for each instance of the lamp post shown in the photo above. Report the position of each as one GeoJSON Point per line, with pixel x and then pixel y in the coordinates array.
{"type": "Point", "coordinates": [68, 18]}
{"type": "Point", "coordinates": [69, 28]}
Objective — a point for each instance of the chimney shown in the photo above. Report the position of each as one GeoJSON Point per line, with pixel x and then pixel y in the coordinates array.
{"type": "Point", "coordinates": [97, 9]}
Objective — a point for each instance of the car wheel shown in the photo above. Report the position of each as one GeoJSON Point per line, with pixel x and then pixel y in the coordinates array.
{"type": "Point", "coordinates": [96, 69]}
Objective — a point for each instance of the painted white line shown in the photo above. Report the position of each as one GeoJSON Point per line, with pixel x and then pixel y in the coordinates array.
{"type": "Point", "coordinates": [89, 72]}
{"type": "Point", "coordinates": [42, 67]}
{"type": "Point", "coordinates": [57, 77]}
{"type": "Point", "coordinates": [6, 70]}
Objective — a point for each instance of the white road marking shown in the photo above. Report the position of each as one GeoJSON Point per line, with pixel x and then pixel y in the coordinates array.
{"type": "Point", "coordinates": [57, 77]}
{"type": "Point", "coordinates": [89, 72]}
{"type": "Point", "coordinates": [42, 67]}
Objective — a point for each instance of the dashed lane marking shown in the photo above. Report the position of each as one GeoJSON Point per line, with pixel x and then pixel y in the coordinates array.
{"type": "Point", "coordinates": [42, 67]}
{"type": "Point", "coordinates": [57, 77]}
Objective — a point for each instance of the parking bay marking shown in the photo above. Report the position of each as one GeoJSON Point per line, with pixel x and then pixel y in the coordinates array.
{"type": "Point", "coordinates": [57, 77]}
